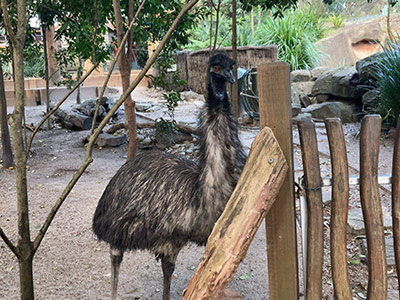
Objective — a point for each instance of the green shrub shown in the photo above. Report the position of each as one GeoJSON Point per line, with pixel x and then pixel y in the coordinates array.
{"type": "Point", "coordinates": [387, 76]}
{"type": "Point", "coordinates": [336, 20]}
{"type": "Point", "coordinates": [294, 33]}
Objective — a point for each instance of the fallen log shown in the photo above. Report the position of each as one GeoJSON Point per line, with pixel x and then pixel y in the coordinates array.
{"type": "Point", "coordinates": [73, 120]}
{"type": "Point", "coordinates": [251, 200]}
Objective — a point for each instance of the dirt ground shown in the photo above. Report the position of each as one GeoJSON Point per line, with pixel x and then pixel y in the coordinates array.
{"type": "Point", "coordinates": [72, 264]}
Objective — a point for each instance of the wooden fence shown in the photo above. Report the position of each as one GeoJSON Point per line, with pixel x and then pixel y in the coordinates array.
{"type": "Point", "coordinates": [274, 98]}
{"type": "Point", "coordinates": [231, 236]}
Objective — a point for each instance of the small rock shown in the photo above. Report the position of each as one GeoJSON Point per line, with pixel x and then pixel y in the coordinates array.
{"type": "Point", "coordinates": [301, 117]}
{"type": "Point", "coordinates": [356, 224]}
{"type": "Point", "coordinates": [305, 100]}
{"type": "Point", "coordinates": [142, 106]}
{"type": "Point", "coordinates": [295, 111]}
{"type": "Point", "coordinates": [370, 99]}
{"type": "Point", "coordinates": [191, 96]}
{"type": "Point", "coordinates": [300, 75]}
{"type": "Point", "coordinates": [332, 110]}
{"type": "Point", "coordinates": [110, 140]}
{"type": "Point", "coordinates": [390, 258]}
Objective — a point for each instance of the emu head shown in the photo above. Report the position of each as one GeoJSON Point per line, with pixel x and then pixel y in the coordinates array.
{"type": "Point", "coordinates": [221, 69]}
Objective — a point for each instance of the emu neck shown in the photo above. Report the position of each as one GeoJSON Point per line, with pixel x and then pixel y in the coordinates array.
{"type": "Point", "coordinates": [216, 90]}
{"type": "Point", "coordinates": [221, 156]}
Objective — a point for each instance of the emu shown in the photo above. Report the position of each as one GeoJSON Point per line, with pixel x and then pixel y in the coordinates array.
{"type": "Point", "coordinates": [160, 202]}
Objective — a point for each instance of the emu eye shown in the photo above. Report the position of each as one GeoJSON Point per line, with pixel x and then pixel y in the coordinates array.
{"type": "Point", "coordinates": [216, 68]}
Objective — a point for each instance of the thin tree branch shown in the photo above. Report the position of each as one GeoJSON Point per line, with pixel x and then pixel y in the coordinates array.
{"type": "Point", "coordinates": [9, 243]}
{"type": "Point", "coordinates": [103, 89]}
{"type": "Point", "coordinates": [7, 22]}
{"type": "Point", "coordinates": [93, 137]}
{"type": "Point", "coordinates": [58, 105]}
{"type": "Point", "coordinates": [96, 24]}
{"type": "Point", "coordinates": [217, 24]}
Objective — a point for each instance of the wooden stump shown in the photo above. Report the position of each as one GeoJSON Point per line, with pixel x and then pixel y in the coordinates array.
{"type": "Point", "coordinates": [230, 239]}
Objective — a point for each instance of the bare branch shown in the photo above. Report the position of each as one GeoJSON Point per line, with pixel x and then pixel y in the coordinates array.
{"type": "Point", "coordinates": [93, 137]}
{"type": "Point", "coordinates": [103, 89]}
{"type": "Point", "coordinates": [218, 10]}
{"type": "Point", "coordinates": [9, 243]}
{"type": "Point", "coordinates": [58, 105]}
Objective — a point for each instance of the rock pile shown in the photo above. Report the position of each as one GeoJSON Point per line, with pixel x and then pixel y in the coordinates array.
{"type": "Point", "coordinates": [343, 92]}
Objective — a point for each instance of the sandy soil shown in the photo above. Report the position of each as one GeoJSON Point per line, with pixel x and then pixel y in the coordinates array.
{"type": "Point", "coordinates": [72, 264]}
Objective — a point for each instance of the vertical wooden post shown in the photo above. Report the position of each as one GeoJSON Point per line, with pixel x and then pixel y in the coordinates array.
{"type": "Point", "coordinates": [396, 200]}
{"type": "Point", "coordinates": [275, 112]}
{"type": "Point", "coordinates": [372, 207]}
{"type": "Point", "coordinates": [315, 217]}
{"type": "Point", "coordinates": [339, 208]}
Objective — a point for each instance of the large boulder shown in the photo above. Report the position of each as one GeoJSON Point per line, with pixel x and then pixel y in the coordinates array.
{"type": "Point", "coordinates": [321, 111]}
{"type": "Point", "coordinates": [340, 82]}
{"type": "Point", "coordinates": [365, 67]}
{"type": "Point", "coordinates": [350, 44]}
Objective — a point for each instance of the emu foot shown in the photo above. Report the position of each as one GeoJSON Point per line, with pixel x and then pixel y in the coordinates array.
{"type": "Point", "coordinates": [231, 295]}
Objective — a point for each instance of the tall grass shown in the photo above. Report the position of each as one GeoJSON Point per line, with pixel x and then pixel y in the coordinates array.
{"type": "Point", "coordinates": [387, 75]}
{"type": "Point", "coordinates": [294, 33]}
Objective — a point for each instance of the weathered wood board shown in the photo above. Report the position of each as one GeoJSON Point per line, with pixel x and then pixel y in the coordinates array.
{"type": "Point", "coordinates": [230, 239]}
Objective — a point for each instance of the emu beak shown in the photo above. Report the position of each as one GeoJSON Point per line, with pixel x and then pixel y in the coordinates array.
{"type": "Point", "coordinates": [230, 78]}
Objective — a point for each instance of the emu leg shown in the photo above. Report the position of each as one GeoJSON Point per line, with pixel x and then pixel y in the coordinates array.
{"type": "Point", "coordinates": [168, 266]}
{"type": "Point", "coordinates": [116, 259]}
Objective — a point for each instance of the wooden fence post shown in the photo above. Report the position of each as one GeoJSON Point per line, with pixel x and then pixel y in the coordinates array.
{"type": "Point", "coordinates": [372, 207]}
{"type": "Point", "coordinates": [275, 112]}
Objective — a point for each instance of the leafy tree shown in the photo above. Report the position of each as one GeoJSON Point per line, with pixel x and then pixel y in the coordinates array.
{"type": "Point", "coordinates": [26, 248]}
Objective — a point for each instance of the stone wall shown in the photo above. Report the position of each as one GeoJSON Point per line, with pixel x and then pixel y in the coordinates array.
{"type": "Point", "coordinates": [194, 68]}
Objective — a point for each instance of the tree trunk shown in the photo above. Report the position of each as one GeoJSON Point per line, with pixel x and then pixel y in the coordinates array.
{"type": "Point", "coordinates": [54, 70]}
{"type": "Point", "coordinates": [46, 72]}
{"type": "Point", "coordinates": [235, 93]}
{"type": "Point", "coordinates": [8, 159]}
{"type": "Point", "coordinates": [24, 245]}
{"type": "Point", "coordinates": [24, 242]}
{"type": "Point", "coordinates": [78, 77]}
{"type": "Point", "coordinates": [26, 278]}
{"type": "Point", "coordinates": [124, 64]}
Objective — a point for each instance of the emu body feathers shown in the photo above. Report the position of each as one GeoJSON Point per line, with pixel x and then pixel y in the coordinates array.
{"type": "Point", "coordinates": [160, 202]}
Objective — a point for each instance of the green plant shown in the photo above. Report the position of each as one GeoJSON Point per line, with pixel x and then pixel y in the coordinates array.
{"type": "Point", "coordinates": [336, 20]}
{"type": "Point", "coordinates": [165, 80]}
{"type": "Point", "coordinates": [295, 33]}
{"type": "Point", "coordinates": [387, 76]}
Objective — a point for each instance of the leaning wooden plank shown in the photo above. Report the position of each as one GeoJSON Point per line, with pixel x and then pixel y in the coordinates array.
{"type": "Point", "coordinates": [230, 239]}
{"type": "Point", "coordinates": [396, 200]}
{"type": "Point", "coordinates": [339, 208]}
{"type": "Point", "coordinates": [313, 188]}
{"type": "Point", "coordinates": [371, 206]}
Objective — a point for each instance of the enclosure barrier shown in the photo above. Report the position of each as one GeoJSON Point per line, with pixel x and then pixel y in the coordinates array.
{"type": "Point", "coordinates": [370, 201]}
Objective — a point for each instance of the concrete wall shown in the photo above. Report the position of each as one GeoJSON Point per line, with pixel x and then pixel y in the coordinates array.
{"type": "Point", "coordinates": [35, 88]}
